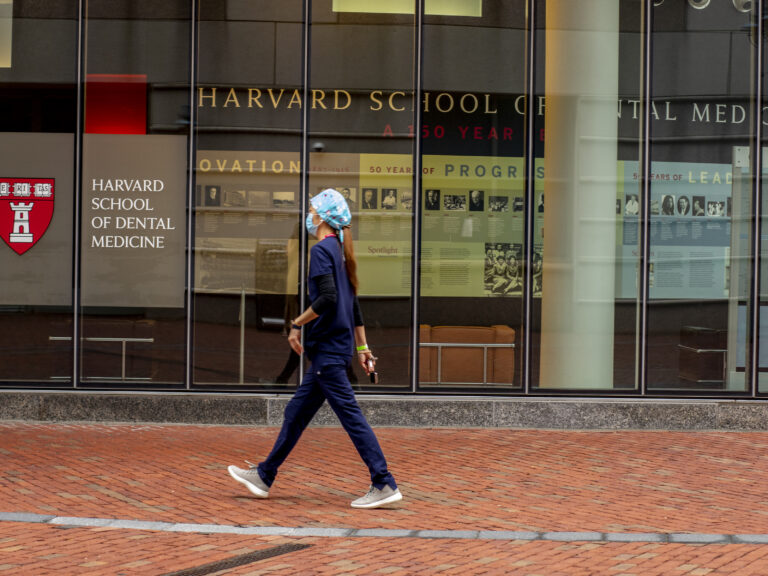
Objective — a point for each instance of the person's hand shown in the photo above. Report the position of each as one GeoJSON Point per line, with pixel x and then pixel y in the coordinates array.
{"type": "Point", "coordinates": [363, 359]}
{"type": "Point", "coordinates": [294, 339]}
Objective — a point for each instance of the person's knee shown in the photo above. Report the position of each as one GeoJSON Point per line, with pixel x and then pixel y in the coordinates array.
{"type": "Point", "coordinates": [352, 417]}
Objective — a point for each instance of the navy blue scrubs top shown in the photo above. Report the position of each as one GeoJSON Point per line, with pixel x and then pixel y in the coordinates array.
{"type": "Point", "coordinates": [333, 332]}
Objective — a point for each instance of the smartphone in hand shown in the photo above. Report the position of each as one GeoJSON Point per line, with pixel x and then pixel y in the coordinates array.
{"type": "Point", "coordinates": [374, 376]}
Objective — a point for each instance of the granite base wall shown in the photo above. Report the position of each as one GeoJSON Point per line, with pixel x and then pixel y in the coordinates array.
{"type": "Point", "coordinates": [549, 413]}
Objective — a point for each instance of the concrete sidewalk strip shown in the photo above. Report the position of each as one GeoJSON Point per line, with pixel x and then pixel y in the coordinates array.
{"type": "Point", "coordinates": [573, 536]}
{"type": "Point", "coordinates": [507, 535]}
{"type": "Point", "coordinates": [636, 537]}
{"type": "Point", "coordinates": [750, 538]}
{"type": "Point", "coordinates": [317, 532]}
{"type": "Point", "coordinates": [24, 517]}
{"type": "Point", "coordinates": [460, 534]}
{"type": "Point", "coordinates": [700, 538]}
{"type": "Point", "coordinates": [205, 529]}
{"type": "Point", "coordinates": [141, 525]}
{"type": "Point", "coordinates": [382, 533]}
{"type": "Point", "coordinates": [322, 532]}
{"type": "Point", "coordinates": [265, 531]}
{"type": "Point", "coordinates": [81, 522]}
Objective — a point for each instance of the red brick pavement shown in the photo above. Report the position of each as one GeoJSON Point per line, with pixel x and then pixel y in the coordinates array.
{"type": "Point", "coordinates": [701, 482]}
{"type": "Point", "coordinates": [48, 550]}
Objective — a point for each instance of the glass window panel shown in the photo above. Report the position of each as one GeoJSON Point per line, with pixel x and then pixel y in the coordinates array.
{"type": "Point", "coordinates": [38, 112]}
{"type": "Point", "coordinates": [249, 101]}
{"type": "Point", "coordinates": [134, 196]}
{"type": "Point", "coordinates": [762, 359]}
{"type": "Point", "coordinates": [700, 202]}
{"type": "Point", "coordinates": [361, 142]}
{"type": "Point", "coordinates": [586, 245]}
{"type": "Point", "coordinates": [473, 183]}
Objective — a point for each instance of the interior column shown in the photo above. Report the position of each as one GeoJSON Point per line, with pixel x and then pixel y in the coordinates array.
{"type": "Point", "coordinates": [582, 70]}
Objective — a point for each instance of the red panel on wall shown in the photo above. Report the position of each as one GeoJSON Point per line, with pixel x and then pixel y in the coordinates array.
{"type": "Point", "coordinates": [116, 104]}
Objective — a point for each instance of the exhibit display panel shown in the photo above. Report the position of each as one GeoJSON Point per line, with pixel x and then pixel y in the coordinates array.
{"type": "Point", "coordinates": [584, 321]}
{"type": "Point", "coordinates": [700, 206]}
{"type": "Point", "coordinates": [133, 197]}
{"type": "Point", "coordinates": [473, 198]}
{"type": "Point", "coordinates": [38, 118]}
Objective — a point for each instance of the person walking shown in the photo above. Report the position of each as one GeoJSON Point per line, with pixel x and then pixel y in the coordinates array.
{"type": "Point", "coordinates": [333, 329]}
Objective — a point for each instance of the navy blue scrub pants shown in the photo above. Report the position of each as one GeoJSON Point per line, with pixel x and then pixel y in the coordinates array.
{"type": "Point", "coordinates": [327, 379]}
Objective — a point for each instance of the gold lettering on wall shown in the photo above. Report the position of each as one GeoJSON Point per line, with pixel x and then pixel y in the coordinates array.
{"type": "Point", "coordinates": [317, 98]}
{"type": "Point", "coordinates": [234, 165]}
{"type": "Point", "coordinates": [336, 99]}
{"type": "Point", "coordinates": [254, 97]}
{"type": "Point", "coordinates": [467, 103]}
{"type": "Point", "coordinates": [203, 96]}
{"type": "Point", "coordinates": [295, 99]}
{"type": "Point", "coordinates": [377, 104]}
{"type": "Point", "coordinates": [231, 97]}
{"type": "Point", "coordinates": [339, 99]}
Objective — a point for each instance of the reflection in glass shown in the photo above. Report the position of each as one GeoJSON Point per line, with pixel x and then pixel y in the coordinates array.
{"type": "Point", "coordinates": [472, 219]}
{"type": "Point", "coordinates": [134, 193]}
{"type": "Point", "coordinates": [247, 194]}
{"type": "Point", "coordinates": [362, 145]}
{"type": "Point", "coordinates": [700, 207]}
{"type": "Point", "coordinates": [38, 112]}
{"type": "Point", "coordinates": [762, 298]}
{"type": "Point", "coordinates": [246, 262]}
{"type": "Point", "coordinates": [585, 237]}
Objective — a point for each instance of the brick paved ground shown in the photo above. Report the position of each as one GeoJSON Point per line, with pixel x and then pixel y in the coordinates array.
{"type": "Point", "coordinates": [454, 481]}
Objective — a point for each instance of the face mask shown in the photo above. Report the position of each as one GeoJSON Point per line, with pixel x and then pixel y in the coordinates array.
{"type": "Point", "coordinates": [311, 226]}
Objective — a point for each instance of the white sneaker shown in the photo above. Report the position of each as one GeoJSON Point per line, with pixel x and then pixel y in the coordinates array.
{"type": "Point", "coordinates": [251, 479]}
{"type": "Point", "coordinates": [378, 497]}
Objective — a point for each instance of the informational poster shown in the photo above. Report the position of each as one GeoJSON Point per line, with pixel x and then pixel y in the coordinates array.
{"type": "Point", "coordinates": [247, 209]}
{"type": "Point", "coordinates": [384, 225]}
{"type": "Point", "coordinates": [36, 222]}
{"type": "Point", "coordinates": [690, 232]}
{"type": "Point", "coordinates": [134, 225]}
{"type": "Point", "coordinates": [472, 226]}
{"type": "Point", "coordinates": [247, 219]}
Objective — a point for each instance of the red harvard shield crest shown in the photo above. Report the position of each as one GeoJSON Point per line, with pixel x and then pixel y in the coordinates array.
{"type": "Point", "coordinates": [26, 209]}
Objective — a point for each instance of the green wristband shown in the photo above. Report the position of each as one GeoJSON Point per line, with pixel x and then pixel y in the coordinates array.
{"type": "Point", "coordinates": [363, 348]}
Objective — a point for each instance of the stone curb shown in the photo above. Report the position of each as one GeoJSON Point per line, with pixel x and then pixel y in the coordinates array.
{"type": "Point", "coordinates": [396, 411]}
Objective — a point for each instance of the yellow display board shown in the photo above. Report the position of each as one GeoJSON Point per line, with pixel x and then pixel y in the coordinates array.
{"type": "Point", "coordinates": [472, 223]}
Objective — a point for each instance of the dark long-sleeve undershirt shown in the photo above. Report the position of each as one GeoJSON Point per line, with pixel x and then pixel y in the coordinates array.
{"type": "Point", "coordinates": [327, 297]}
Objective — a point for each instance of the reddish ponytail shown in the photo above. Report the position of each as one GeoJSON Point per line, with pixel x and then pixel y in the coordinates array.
{"type": "Point", "coordinates": [349, 259]}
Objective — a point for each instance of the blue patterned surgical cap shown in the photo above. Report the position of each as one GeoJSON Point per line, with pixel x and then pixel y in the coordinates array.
{"type": "Point", "coordinates": [332, 208]}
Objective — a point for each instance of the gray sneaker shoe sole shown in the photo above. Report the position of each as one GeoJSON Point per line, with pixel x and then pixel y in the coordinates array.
{"type": "Point", "coordinates": [396, 496]}
{"type": "Point", "coordinates": [255, 490]}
